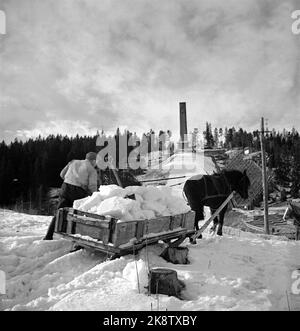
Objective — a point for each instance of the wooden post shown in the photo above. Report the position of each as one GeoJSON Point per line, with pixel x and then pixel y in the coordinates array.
{"type": "Point", "coordinates": [165, 281]}
{"type": "Point", "coordinates": [264, 177]}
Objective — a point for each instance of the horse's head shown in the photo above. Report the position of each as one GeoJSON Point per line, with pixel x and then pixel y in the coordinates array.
{"type": "Point", "coordinates": [239, 182]}
{"type": "Point", "coordinates": [243, 185]}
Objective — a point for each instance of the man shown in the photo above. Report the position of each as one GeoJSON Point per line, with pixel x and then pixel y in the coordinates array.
{"type": "Point", "coordinates": [80, 181]}
{"type": "Point", "coordinates": [293, 211]}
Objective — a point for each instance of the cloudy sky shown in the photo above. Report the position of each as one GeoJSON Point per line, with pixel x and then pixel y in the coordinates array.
{"type": "Point", "coordinates": [71, 66]}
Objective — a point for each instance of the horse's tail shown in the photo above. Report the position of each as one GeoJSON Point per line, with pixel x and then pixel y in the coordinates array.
{"type": "Point", "coordinates": [184, 195]}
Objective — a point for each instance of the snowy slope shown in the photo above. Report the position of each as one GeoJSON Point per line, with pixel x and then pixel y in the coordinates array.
{"type": "Point", "coordinates": [228, 273]}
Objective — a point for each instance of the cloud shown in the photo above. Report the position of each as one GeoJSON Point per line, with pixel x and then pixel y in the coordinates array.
{"type": "Point", "coordinates": [129, 63]}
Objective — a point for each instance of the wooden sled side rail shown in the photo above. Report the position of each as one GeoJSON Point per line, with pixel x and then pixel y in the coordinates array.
{"type": "Point", "coordinates": [216, 213]}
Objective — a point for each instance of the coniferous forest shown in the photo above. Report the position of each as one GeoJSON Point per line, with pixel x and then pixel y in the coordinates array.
{"type": "Point", "coordinates": [29, 169]}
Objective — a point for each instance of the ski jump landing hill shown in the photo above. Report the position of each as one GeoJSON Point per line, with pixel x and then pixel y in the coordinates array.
{"type": "Point", "coordinates": [176, 169]}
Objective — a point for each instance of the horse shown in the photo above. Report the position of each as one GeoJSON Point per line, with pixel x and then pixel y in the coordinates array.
{"type": "Point", "coordinates": [212, 191]}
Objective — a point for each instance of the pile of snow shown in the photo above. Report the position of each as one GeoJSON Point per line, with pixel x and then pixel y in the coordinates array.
{"type": "Point", "coordinates": [244, 272]}
{"type": "Point", "coordinates": [144, 202]}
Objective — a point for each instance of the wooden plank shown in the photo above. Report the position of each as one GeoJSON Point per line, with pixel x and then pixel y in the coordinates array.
{"type": "Point", "coordinates": [176, 221]}
{"type": "Point", "coordinates": [93, 232]}
{"type": "Point", "coordinates": [89, 221]}
{"type": "Point", "coordinates": [140, 228]}
{"type": "Point", "coordinates": [58, 221]}
{"type": "Point", "coordinates": [156, 225]}
{"type": "Point", "coordinates": [171, 223]}
{"type": "Point", "coordinates": [87, 214]}
{"type": "Point", "coordinates": [253, 227]}
{"type": "Point", "coordinates": [69, 226]}
{"type": "Point", "coordinates": [61, 222]}
{"type": "Point", "coordinates": [189, 220]}
{"type": "Point", "coordinates": [112, 227]}
{"type": "Point", "coordinates": [124, 232]}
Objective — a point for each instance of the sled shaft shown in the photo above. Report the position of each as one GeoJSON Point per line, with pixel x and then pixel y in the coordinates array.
{"type": "Point", "coordinates": [215, 214]}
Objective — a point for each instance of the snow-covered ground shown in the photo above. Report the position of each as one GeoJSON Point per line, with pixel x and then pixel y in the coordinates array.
{"type": "Point", "coordinates": [244, 272]}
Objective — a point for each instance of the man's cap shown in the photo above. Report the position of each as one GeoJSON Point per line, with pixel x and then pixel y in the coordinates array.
{"type": "Point", "coordinates": [91, 156]}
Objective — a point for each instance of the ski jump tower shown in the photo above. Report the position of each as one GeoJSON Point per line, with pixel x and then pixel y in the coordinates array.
{"type": "Point", "coordinates": [183, 142]}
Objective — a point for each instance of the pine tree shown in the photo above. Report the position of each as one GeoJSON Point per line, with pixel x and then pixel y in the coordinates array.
{"type": "Point", "coordinates": [208, 136]}
{"type": "Point", "coordinates": [282, 172]}
{"type": "Point", "coordinates": [216, 137]}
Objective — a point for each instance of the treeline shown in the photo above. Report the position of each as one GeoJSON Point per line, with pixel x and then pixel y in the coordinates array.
{"type": "Point", "coordinates": [28, 169]}
{"type": "Point", "coordinates": [282, 148]}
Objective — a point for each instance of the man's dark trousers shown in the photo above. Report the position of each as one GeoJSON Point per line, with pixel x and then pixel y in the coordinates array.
{"type": "Point", "coordinates": [68, 194]}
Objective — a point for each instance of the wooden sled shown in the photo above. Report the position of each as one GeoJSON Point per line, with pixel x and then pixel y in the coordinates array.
{"type": "Point", "coordinates": [117, 238]}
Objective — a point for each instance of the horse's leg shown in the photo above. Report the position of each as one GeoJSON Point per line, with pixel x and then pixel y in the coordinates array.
{"type": "Point", "coordinates": [215, 221]}
{"type": "Point", "coordinates": [221, 221]}
{"type": "Point", "coordinates": [198, 216]}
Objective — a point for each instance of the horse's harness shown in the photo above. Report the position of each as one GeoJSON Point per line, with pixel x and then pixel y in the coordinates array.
{"type": "Point", "coordinates": [219, 194]}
